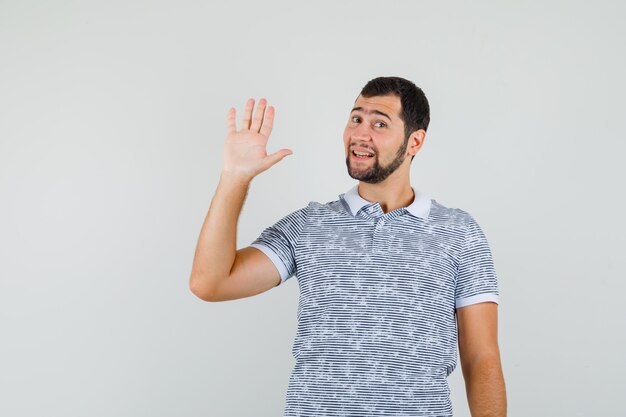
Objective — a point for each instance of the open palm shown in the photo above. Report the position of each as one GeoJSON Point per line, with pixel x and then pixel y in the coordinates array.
{"type": "Point", "coordinates": [245, 150]}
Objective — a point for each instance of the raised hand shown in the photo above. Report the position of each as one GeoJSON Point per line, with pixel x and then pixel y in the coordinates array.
{"type": "Point", "coordinates": [245, 150]}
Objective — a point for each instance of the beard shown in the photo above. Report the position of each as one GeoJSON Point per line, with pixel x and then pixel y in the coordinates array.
{"type": "Point", "coordinates": [376, 172]}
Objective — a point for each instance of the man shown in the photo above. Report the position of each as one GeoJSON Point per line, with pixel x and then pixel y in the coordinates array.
{"type": "Point", "coordinates": [389, 279]}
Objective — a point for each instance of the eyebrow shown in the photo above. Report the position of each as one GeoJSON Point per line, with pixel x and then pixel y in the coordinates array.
{"type": "Point", "coordinates": [372, 112]}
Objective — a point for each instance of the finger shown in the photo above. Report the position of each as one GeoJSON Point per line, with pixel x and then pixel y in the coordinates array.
{"type": "Point", "coordinates": [258, 115]}
{"type": "Point", "coordinates": [273, 158]}
{"type": "Point", "coordinates": [232, 125]}
{"type": "Point", "coordinates": [247, 114]}
{"type": "Point", "coordinates": [268, 123]}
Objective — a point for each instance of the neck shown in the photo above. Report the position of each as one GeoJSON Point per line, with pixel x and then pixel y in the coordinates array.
{"type": "Point", "coordinates": [391, 195]}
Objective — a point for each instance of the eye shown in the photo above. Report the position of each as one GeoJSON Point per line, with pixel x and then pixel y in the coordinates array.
{"type": "Point", "coordinates": [381, 123]}
{"type": "Point", "coordinates": [355, 119]}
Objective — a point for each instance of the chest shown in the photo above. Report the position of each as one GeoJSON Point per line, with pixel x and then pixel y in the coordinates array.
{"type": "Point", "coordinates": [378, 263]}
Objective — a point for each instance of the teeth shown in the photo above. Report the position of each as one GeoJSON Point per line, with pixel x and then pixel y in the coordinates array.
{"type": "Point", "coordinates": [362, 154]}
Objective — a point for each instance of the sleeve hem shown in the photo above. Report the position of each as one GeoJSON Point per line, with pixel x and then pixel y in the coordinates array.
{"type": "Point", "coordinates": [475, 299]}
{"type": "Point", "coordinates": [282, 270]}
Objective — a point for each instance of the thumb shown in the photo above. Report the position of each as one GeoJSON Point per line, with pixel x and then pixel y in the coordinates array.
{"type": "Point", "coordinates": [273, 158]}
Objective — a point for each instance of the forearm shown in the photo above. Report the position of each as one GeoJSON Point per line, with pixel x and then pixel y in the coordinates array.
{"type": "Point", "coordinates": [217, 243]}
{"type": "Point", "coordinates": [486, 392]}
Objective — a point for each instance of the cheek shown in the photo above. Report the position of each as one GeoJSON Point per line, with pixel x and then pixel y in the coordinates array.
{"type": "Point", "coordinates": [346, 138]}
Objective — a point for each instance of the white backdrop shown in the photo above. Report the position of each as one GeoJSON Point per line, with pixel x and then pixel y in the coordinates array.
{"type": "Point", "coordinates": [112, 122]}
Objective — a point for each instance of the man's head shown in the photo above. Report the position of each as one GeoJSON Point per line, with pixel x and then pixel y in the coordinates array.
{"type": "Point", "coordinates": [389, 114]}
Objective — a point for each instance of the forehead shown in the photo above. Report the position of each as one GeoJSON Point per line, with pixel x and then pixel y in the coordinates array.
{"type": "Point", "coordinates": [389, 104]}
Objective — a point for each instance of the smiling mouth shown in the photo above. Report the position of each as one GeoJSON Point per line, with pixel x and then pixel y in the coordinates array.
{"type": "Point", "coordinates": [361, 156]}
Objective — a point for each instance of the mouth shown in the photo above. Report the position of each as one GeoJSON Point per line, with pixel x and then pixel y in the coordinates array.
{"type": "Point", "coordinates": [361, 156]}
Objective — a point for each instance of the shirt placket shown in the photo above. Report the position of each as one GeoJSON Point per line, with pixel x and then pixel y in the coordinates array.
{"type": "Point", "coordinates": [379, 241]}
{"type": "Point", "coordinates": [381, 221]}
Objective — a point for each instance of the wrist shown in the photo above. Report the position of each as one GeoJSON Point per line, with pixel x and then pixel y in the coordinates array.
{"type": "Point", "coordinates": [236, 179]}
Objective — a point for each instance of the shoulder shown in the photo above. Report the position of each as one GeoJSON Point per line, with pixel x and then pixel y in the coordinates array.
{"type": "Point", "coordinates": [450, 216]}
{"type": "Point", "coordinates": [329, 208]}
{"type": "Point", "coordinates": [312, 211]}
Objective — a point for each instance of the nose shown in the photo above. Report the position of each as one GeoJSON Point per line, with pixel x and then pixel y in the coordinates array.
{"type": "Point", "coordinates": [362, 132]}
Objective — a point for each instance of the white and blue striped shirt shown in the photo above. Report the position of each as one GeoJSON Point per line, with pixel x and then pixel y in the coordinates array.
{"type": "Point", "coordinates": [376, 318]}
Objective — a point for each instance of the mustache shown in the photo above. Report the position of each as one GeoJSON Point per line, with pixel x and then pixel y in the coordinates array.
{"type": "Point", "coordinates": [356, 145]}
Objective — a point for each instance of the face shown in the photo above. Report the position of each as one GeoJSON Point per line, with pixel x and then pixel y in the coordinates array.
{"type": "Point", "coordinates": [375, 128]}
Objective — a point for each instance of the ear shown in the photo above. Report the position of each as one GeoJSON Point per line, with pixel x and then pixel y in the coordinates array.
{"type": "Point", "coordinates": [416, 140]}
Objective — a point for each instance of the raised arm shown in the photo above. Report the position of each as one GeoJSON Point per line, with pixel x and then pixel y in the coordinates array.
{"type": "Point", "coordinates": [217, 264]}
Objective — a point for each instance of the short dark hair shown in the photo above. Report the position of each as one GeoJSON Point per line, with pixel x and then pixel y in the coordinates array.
{"type": "Point", "coordinates": [415, 109]}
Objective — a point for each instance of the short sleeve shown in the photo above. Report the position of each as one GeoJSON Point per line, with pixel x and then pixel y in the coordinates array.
{"type": "Point", "coordinates": [476, 276]}
{"type": "Point", "coordinates": [279, 242]}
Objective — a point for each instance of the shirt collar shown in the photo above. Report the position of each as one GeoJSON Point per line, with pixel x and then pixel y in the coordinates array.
{"type": "Point", "coordinates": [420, 206]}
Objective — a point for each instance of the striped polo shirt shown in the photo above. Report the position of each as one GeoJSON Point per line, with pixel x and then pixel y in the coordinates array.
{"type": "Point", "coordinates": [376, 320]}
